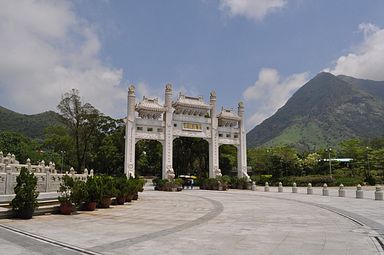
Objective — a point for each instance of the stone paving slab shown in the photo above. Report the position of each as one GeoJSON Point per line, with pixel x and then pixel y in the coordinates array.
{"type": "Point", "coordinates": [210, 222]}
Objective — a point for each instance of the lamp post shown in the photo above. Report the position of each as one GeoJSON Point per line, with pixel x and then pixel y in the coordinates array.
{"type": "Point", "coordinates": [62, 161]}
{"type": "Point", "coordinates": [329, 160]}
{"type": "Point", "coordinates": [369, 167]}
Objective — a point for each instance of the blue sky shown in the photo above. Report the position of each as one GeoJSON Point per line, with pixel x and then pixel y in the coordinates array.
{"type": "Point", "coordinates": [256, 51]}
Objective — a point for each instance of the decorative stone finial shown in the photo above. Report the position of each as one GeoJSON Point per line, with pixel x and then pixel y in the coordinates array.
{"type": "Point", "coordinates": [241, 105]}
{"type": "Point", "coordinates": [213, 94]}
{"type": "Point", "coordinates": [168, 88]}
{"type": "Point", "coordinates": [131, 90]}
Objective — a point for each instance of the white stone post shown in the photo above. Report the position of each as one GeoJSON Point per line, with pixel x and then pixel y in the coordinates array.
{"type": "Point", "coordinates": [130, 140]}
{"type": "Point", "coordinates": [266, 187]}
{"type": "Point", "coordinates": [47, 180]}
{"type": "Point", "coordinates": [294, 188]}
{"type": "Point", "coordinates": [341, 191]}
{"type": "Point", "coordinates": [242, 149]}
{"type": "Point", "coordinates": [254, 186]}
{"type": "Point", "coordinates": [214, 169]}
{"type": "Point", "coordinates": [378, 193]}
{"type": "Point", "coordinates": [8, 177]}
{"type": "Point", "coordinates": [359, 192]}
{"type": "Point", "coordinates": [325, 190]}
{"type": "Point", "coordinates": [280, 188]}
{"type": "Point", "coordinates": [168, 172]}
{"type": "Point", "coordinates": [309, 189]}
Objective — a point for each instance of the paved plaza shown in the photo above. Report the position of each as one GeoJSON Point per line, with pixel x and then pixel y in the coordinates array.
{"type": "Point", "coordinates": [208, 222]}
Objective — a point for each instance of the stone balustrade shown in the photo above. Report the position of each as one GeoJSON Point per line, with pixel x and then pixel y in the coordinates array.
{"type": "Point", "coordinates": [48, 179]}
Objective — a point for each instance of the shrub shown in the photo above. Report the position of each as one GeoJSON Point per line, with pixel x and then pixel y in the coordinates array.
{"type": "Point", "coordinates": [348, 181]}
{"type": "Point", "coordinates": [217, 183]}
{"type": "Point", "coordinates": [168, 185]}
{"type": "Point", "coordinates": [239, 183]}
{"type": "Point", "coordinates": [25, 201]}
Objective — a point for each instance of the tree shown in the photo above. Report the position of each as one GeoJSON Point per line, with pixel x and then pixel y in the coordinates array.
{"type": "Point", "coordinates": [81, 120]}
{"type": "Point", "coordinates": [20, 145]}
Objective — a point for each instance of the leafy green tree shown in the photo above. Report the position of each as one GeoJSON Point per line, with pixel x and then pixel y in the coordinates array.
{"type": "Point", "coordinates": [227, 159]}
{"type": "Point", "coordinates": [81, 120]}
{"type": "Point", "coordinates": [20, 145]}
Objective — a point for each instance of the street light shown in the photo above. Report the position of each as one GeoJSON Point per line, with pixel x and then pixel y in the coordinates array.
{"type": "Point", "coordinates": [369, 167]}
{"type": "Point", "coordinates": [329, 160]}
{"type": "Point", "coordinates": [62, 161]}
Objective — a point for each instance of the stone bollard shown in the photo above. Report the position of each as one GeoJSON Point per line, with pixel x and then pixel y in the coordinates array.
{"type": "Point", "coordinates": [359, 192]}
{"type": "Point", "coordinates": [341, 191]}
{"type": "Point", "coordinates": [325, 190]}
{"type": "Point", "coordinates": [309, 189]}
{"type": "Point", "coordinates": [266, 188]}
{"type": "Point", "coordinates": [280, 188]}
{"type": "Point", "coordinates": [294, 188]}
{"type": "Point", "coordinates": [253, 186]}
{"type": "Point", "coordinates": [378, 193]}
{"type": "Point", "coordinates": [91, 172]}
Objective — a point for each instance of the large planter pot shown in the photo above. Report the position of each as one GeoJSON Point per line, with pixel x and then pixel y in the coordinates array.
{"type": "Point", "coordinates": [90, 206]}
{"type": "Point", "coordinates": [120, 200]}
{"type": "Point", "coordinates": [105, 202]}
{"type": "Point", "coordinates": [25, 213]}
{"type": "Point", "coordinates": [66, 209]}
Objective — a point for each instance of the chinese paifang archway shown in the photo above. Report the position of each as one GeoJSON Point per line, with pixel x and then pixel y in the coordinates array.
{"type": "Point", "coordinates": [186, 117]}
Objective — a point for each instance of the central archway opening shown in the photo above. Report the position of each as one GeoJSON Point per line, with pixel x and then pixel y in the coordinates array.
{"type": "Point", "coordinates": [228, 159]}
{"type": "Point", "coordinates": [148, 158]}
{"type": "Point", "coordinates": [191, 157]}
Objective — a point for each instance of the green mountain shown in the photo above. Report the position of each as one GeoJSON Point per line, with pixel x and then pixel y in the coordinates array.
{"type": "Point", "coordinates": [30, 125]}
{"type": "Point", "coordinates": [325, 111]}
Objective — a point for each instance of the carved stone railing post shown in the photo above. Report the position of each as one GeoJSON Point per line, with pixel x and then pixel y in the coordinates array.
{"type": "Point", "coordinates": [294, 188]}
{"type": "Point", "coordinates": [8, 178]}
{"type": "Point", "coordinates": [280, 188]}
{"type": "Point", "coordinates": [309, 189]}
{"type": "Point", "coordinates": [378, 193]}
{"type": "Point", "coordinates": [47, 180]}
{"type": "Point", "coordinates": [254, 186]}
{"type": "Point", "coordinates": [325, 190]}
{"type": "Point", "coordinates": [359, 192]}
{"type": "Point", "coordinates": [266, 187]}
{"type": "Point", "coordinates": [341, 191]}
{"type": "Point", "coordinates": [91, 172]}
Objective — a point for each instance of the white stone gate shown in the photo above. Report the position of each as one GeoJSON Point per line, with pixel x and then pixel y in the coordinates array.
{"type": "Point", "coordinates": [186, 117]}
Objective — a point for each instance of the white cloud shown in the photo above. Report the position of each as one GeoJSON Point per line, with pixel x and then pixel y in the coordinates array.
{"type": "Point", "coordinates": [46, 50]}
{"type": "Point", "coordinates": [367, 59]}
{"type": "Point", "coordinates": [269, 93]}
{"type": "Point", "coordinates": [251, 9]}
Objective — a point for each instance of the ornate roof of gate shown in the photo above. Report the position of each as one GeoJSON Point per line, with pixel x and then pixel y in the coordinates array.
{"type": "Point", "coordinates": [191, 105]}
{"type": "Point", "coordinates": [150, 104]}
{"type": "Point", "coordinates": [228, 117]}
{"type": "Point", "coordinates": [150, 108]}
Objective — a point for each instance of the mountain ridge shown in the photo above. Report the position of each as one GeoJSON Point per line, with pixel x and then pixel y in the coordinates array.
{"type": "Point", "coordinates": [32, 126]}
{"type": "Point", "coordinates": [324, 111]}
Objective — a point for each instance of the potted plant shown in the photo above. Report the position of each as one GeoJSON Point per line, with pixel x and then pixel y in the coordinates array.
{"type": "Point", "coordinates": [25, 201]}
{"type": "Point", "coordinates": [65, 199]}
{"type": "Point", "coordinates": [122, 189]}
{"type": "Point", "coordinates": [91, 194]}
{"type": "Point", "coordinates": [107, 190]}
{"type": "Point", "coordinates": [131, 190]}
